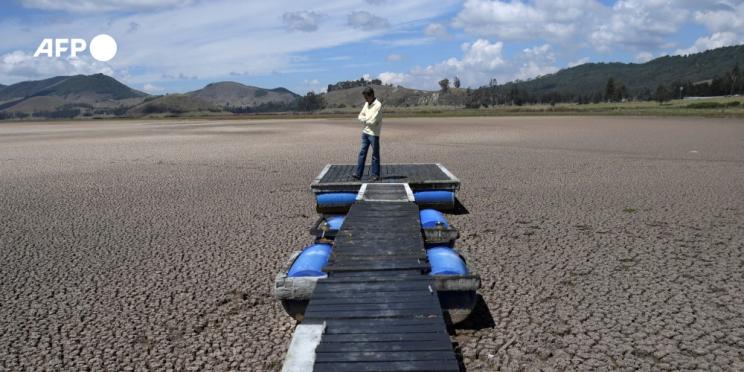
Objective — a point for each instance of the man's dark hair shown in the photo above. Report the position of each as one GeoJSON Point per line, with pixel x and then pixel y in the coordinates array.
{"type": "Point", "coordinates": [368, 92]}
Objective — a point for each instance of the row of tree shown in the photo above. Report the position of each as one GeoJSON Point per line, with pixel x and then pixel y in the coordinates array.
{"type": "Point", "coordinates": [444, 84]}
{"type": "Point", "coordinates": [348, 84]}
{"type": "Point", "coordinates": [614, 91]}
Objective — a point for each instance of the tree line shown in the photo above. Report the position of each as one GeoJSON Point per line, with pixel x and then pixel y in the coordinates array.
{"type": "Point", "coordinates": [614, 90]}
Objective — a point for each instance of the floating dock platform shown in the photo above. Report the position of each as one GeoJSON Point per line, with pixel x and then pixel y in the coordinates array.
{"type": "Point", "coordinates": [337, 177]}
{"type": "Point", "coordinates": [335, 188]}
{"type": "Point", "coordinates": [375, 306]}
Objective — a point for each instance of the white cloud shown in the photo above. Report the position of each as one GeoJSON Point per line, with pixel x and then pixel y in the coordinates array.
{"type": "Point", "coordinates": [393, 57]}
{"type": "Point", "coordinates": [537, 61]}
{"type": "Point", "coordinates": [716, 40]}
{"type": "Point", "coordinates": [309, 85]}
{"type": "Point", "coordinates": [725, 20]}
{"type": "Point", "coordinates": [644, 57]}
{"type": "Point", "coordinates": [212, 40]}
{"type": "Point", "coordinates": [395, 78]}
{"type": "Point", "coordinates": [437, 30]}
{"type": "Point", "coordinates": [19, 66]}
{"type": "Point", "coordinates": [639, 25]}
{"type": "Point", "coordinates": [91, 6]}
{"type": "Point", "coordinates": [301, 21]}
{"type": "Point", "coordinates": [481, 61]}
{"type": "Point", "coordinates": [403, 42]}
{"type": "Point", "coordinates": [367, 21]}
{"type": "Point", "coordinates": [720, 19]}
{"type": "Point", "coordinates": [520, 20]}
{"type": "Point", "coordinates": [636, 26]}
{"type": "Point", "coordinates": [152, 88]}
{"type": "Point", "coordinates": [579, 62]}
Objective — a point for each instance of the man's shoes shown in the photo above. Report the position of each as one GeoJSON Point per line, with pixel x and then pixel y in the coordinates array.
{"type": "Point", "coordinates": [374, 179]}
{"type": "Point", "coordinates": [354, 176]}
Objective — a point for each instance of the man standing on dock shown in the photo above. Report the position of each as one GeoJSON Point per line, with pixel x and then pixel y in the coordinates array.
{"type": "Point", "coordinates": [371, 118]}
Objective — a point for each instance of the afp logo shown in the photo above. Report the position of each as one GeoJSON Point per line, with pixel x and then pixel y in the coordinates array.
{"type": "Point", "coordinates": [102, 47]}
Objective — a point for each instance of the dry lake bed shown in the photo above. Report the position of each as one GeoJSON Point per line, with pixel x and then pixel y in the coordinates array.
{"type": "Point", "coordinates": [604, 243]}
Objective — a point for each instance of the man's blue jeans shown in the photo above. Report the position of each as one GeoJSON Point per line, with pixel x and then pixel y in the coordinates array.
{"type": "Point", "coordinates": [368, 140]}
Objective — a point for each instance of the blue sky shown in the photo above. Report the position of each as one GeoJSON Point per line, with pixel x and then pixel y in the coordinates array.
{"type": "Point", "coordinates": [181, 45]}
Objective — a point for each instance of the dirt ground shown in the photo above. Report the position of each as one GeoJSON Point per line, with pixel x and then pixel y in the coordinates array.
{"type": "Point", "coordinates": [604, 243]}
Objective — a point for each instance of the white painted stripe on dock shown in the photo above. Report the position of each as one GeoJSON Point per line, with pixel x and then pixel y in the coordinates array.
{"type": "Point", "coordinates": [362, 190]}
{"type": "Point", "coordinates": [409, 192]}
{"type": "Point", "coordinates": [301, 353]}
{"type": "Point", "coordinates": [322, 174]}
{"type": "Point", "coordinates": [447, 172]}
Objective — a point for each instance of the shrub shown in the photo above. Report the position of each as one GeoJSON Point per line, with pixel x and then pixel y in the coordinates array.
{"type": "Point", "coordinates": [705, 105]}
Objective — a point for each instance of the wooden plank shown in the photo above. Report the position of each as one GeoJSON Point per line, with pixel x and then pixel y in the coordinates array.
{"type": "Point", "coordinates": [434, 322]}
{"type": "Point", "coordinates": [383, 337]}
{"type": "Point", "coordinates": [372, 273]}
{"type": "Point", "coordinates": [337, 347]}
{"type": "Point", "coordinates": [354, 314]}
{"type": "Point", "coordinates": [347, 354]}
{"type": "Point", "coordinates": [384, 265]}
{"type": "Point", "coordinates": [376, 294]}
{"type": "Point", "coordinates": [374, 278]}
{"type": "Point", "coordinates": [324, 286]}
{"type": "Point", "coordinates": [421, 328]}
{"type": "Point", "coordinates": [410, 305]}
{"type": "Point", "coordinates": [369, 300]}
{"type": "Point", "coordinates": [449, 365]}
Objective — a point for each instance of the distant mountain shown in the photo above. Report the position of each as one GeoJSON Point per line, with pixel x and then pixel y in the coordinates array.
{"type": "Point", "coordinates": [79, 87]}
{"type": "Point", "coordinates": [172, 104]}
{"type": "Point", "coordinates": [233, 94]}
{"type": "Point", "coordinates": [394, 96]}
{"type": "Point", "coordinates": [592, 77]}
{"type": "Point", "coordinates": [50, 94]}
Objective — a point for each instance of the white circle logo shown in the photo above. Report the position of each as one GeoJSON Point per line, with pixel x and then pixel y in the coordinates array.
{"type": "Point", "coordinates": [103, 47]}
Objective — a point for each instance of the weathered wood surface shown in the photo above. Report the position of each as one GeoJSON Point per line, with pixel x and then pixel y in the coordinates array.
{"type": "Point", "coordinates": [380, 306]}
{"type": "Point", "coordinates": [337, 177]}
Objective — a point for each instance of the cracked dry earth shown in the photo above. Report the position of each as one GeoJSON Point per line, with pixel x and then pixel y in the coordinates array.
{"type": "Point", "coordinates": [604, 243]}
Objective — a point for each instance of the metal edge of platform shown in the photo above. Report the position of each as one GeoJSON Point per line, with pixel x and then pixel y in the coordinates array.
{"type": "Point", "coordinates": [448, 173]}
{"type": "Point", "coordinates": [452, 184]}
{"type": "Point", "coordinates": [354, 186]}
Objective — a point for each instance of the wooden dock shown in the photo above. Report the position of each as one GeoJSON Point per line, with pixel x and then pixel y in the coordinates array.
{"type": "Point", "coordinates": [378, 309]}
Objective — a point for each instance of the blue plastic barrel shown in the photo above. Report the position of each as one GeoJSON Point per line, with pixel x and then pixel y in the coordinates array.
{"type": "Point", "coordinates": [335, 222]}
{"type": "Point", "coordinates": [332, 199]}
{"type": "Point", "coordinates": [311, 261]}
{"type": "Point", "coordinates": [431, 218]}
{"type": "Point", "coordinates": [434, 197]}
{"type": "Point", "coordinates": [445, 261]}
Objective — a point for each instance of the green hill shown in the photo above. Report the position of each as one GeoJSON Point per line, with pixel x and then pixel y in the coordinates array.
{"type": "Point", "coordinates": [592, 77]}
{"type": "Point", "coordinates": [28, 88]}
{"type": "Point", "coordinates": [172, 104]}
{"type": "Point", "coordinates": [233, 94]}
{"type": "Point", "coordinates": [90, 87]}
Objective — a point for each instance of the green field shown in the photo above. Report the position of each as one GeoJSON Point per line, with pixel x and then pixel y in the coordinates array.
{"type": "Point", "coordinates": [713, 107]}
{"type": "Point", "coordinates": [720, 107]}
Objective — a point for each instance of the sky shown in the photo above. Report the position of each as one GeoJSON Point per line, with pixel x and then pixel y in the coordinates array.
{"type": "Point", "coordinates": [171, 46]}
